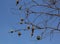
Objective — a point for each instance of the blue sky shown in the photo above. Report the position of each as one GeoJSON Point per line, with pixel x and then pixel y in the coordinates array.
{"type": "Point", "coordinates": [9, 21]}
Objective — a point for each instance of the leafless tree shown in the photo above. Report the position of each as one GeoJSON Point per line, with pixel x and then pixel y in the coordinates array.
{"type": "Point", "coordinates": [41, 16]}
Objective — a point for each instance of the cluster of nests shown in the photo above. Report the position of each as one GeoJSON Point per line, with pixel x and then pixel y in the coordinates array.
{"type": "Point", "coordinates": [53, 2]}
{"type": "Point", "coordinates": [28, 27]}
{"type": "Point", "coordinates": [19, 33]}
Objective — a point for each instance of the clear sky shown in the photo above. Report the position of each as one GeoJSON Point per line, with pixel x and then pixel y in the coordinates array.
{"type": "Point", "coordinates": [9, 21]}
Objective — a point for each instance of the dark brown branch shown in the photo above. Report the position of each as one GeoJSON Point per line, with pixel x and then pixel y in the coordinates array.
{"type": "Point", "coordinates": [38, 27]}
{"type": "Point", "coordinates": [46, 13]}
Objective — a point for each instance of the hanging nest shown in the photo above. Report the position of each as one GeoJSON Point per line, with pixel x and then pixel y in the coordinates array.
{"type": "Point", "coordinates": [11, 31]}
{"type": "Point", "coordinates": [19, 33]}
{"type": "Point", "coordinates": [38, 38]}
